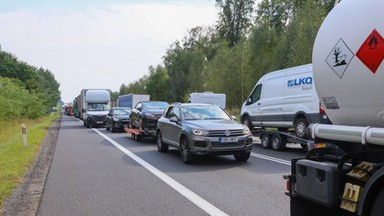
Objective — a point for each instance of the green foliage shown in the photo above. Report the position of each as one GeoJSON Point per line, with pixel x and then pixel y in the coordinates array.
{"type": "Point", "coordinates": [235, 18]}
{"type": "Point", "coordinates": [232, 57]}
{"type": "Point", "coordinates": [25, 91]}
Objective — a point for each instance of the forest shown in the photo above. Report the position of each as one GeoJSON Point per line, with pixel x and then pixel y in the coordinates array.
{"type": "Point", "coordinates": [229, 57]}
{"type": "Point", "coordinates": [25, 91]}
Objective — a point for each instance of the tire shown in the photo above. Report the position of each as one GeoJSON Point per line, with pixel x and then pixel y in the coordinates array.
{"type": "Point", "coordinates": [161, 146]}
{"type": "Point", "coordinates": [242, 157]}
{"type": "Point", "coordinates": [265, 141]}
{"type": "Point", "coordinates": [301, 126]}
{"type": "Point", "coordinates": [133, 136]}
{"type": "Point", "coordinates": [277, 142]}
{"type": "Point", "coordinates": [247, 121]}
{"type": "Point", "coordinates": [113, 130]}
{"type": "Point", "coordinates": [186, 156]}
{"type": "Point", "coordinates": [106, 126]}
{"type": "Point", "coordinates": [377, 206]}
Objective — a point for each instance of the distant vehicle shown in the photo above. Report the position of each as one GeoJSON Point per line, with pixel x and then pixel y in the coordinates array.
{"type": "Point", "coordinates": [117, 118]}
{"type": "Point", "coordinates": [145, 116]}
{"type": "Point", "coordinates": [95, 104]}
{"type": "Point", "coordinates": [130, 100]}
{"type": "Point", "coordinates": [202, 129]}
{"type": "Point", "coordinates": [284, 99]}
{"type": "Point", "coordinates": [208, 97]}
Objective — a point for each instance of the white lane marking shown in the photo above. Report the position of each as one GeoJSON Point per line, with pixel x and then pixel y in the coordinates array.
{"type": "Point", "coordinates": [277, 160]}
{"type": "Point", "coordinates": [193, 197]}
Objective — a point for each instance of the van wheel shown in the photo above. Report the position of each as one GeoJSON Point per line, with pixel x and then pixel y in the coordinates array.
{"type": "Point", "coordinates": [301, 126]}
{"type": "Point", "coordinates": [278, 142]}
{"type": "Point", "coordinates": [246, 121]}
{"type": "Point", "coordinates": [377, 207]}
{"type": "Point", "coordinates": [265, 141]}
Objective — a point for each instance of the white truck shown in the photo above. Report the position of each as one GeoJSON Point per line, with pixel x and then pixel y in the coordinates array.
{"type": "Point", "coordinates": [130, 100]}
{"type": "Point", "coordinates": [208, 97]}
{"type": "Point", "coordinates": [346, 178]}
{"type": "Point", "coordinates": [95, 104]}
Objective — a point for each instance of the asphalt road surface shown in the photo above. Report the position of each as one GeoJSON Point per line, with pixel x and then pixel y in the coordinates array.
{"type": "Point", "coordinates": [96, 172]}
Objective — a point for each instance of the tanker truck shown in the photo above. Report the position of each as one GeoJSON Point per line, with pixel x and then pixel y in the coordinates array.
{"type": "Point", "coordinates": [346, 178]}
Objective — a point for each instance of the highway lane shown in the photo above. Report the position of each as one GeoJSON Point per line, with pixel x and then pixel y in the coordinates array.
{"type": "Point", "coordinates": [89, 175]}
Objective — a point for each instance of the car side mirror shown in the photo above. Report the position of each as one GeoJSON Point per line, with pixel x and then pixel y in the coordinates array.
{"type": "Point", "coordinates": [174, 119]}
{"type": "Point", "coordinates": [234, 118]}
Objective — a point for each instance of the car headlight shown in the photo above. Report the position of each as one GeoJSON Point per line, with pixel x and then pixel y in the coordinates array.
{"type": "Point", "coordinates": [115, 119]}
{"type": "Point", "coordinates": [246, 130]}
{"type": "Point", "coordinates": [199, 132]}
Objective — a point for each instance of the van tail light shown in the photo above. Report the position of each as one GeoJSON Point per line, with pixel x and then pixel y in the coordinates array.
{"type": "Point", "coordinates": [322, 111]}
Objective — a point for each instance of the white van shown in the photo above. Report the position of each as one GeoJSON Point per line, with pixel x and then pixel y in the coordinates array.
{"type": "Point", "coordinates": [208, 97]}
{"type": "Point", "coordinates": [284, 99]}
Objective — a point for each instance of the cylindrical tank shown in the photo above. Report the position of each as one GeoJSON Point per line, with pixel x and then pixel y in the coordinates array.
{"type": "Point", "coordinates": [347, 63]}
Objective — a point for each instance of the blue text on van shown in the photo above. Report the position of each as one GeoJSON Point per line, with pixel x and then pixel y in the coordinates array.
{"type": "Point", "coordinates": [300, 81]}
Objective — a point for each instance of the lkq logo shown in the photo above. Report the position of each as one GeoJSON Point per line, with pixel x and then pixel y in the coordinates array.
{"type": "Point", "coordinates": [304, 82]}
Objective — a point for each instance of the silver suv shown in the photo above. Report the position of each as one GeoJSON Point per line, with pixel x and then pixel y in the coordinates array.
{"type": "Point", "coordinates": [202, 129]}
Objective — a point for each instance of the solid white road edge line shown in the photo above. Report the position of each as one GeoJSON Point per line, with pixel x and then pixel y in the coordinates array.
{"type": "Point", "coordinates": [277, 160]}
{"type": "Point", "coordinates": [193, 197]}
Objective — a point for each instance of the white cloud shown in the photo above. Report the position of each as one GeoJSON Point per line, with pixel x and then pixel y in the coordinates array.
{"type": "Point", "coordinates": [99, 47]}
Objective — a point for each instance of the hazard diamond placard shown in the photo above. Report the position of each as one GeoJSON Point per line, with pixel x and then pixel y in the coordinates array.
{"type": "Point", "coordinates": [371, 53]}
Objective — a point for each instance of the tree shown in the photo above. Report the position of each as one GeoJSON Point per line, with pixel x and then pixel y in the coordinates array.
{"type": "Point", "coordinates": [235, 18]}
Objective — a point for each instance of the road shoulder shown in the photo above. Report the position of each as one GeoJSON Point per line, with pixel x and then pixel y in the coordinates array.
{"type": "Point", "coordinates": [24, 201]}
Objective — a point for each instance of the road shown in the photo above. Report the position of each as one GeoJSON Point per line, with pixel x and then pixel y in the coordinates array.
{"type": "Point", "coordinates": [96, 172]}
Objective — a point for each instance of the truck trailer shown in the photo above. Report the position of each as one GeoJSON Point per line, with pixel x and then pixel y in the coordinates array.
{"type": "Point", "coordinates": [95, 104]}
{"type": "Point", "coordinates": [346, 178]}
{"type": "Point", "coordinates": [130, 100]}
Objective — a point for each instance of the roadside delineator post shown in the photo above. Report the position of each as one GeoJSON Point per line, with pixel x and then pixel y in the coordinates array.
{"type": "Point", "coordinates": [24, 132]}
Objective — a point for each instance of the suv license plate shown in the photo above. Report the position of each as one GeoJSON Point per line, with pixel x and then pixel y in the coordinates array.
{"type": "Point", "coordinates": [228, 139]}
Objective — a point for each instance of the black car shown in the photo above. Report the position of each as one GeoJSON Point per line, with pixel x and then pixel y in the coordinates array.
{"type": "Point", "coordinates": [145, 115]}
{"type": "Point", "coordinates": [117, 118]}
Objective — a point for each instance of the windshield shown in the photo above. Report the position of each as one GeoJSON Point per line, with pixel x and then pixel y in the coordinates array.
{"type": "Point", "coordinates": [155, 105]}
{"type": "Point", "coordinates": [121, 112]}
{"type": "Point", "coordinates": [98, 107]}
{"type": "Point", "coordinates": [203, 113]}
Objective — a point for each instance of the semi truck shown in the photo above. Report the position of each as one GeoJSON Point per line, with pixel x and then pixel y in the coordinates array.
{"type": "Point", "coordinates": [347, 177]}
{"type": "Point", "coordinates": [95, 104]}
{"type": "Point", "coordinates": [130, 100]}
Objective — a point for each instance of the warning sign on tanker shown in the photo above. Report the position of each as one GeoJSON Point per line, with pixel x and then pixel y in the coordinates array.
{"type": "Point", "coordinates": [339, 58]}
{"type": "Point", "coordinates": [371, 53]}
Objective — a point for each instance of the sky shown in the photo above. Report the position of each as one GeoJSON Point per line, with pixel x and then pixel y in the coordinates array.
{"type": "Point", "coordinates": [97, 43]}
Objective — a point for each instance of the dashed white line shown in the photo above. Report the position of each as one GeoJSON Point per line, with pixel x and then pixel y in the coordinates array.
{"type": "Point", "coordinates": [277, 160]}
{"type": "Point", "coordinates": [190, 195]}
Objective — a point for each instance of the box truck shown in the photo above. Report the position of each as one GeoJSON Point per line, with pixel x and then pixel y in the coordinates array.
{"type": "Point", "coordinates": [130, 100]}
{"type": "Point", "coordinates": [208, 97]}
{"type": "Point", "coordinates": [95, 104]}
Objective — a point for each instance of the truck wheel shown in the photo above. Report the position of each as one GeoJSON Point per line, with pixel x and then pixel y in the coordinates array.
{"type": "Point", "coordinates": [377, 206]}
{"type": "Point", "coordinates": [277, 142]}
{"type": "Point", "coordinates": [301, 126]}
{"type": "Point", "coordinates": [186, 156]}
{"type": "Point", "coordinates": [242, 156]}
{"type": "Point", "coordinates": [161, 146]}
{"type": "Point", "coordinates": [247, 121]}
{"type": "Point", "coordinates": [265, 141]}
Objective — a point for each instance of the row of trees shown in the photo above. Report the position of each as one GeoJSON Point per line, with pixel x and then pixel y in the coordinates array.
{"type": "Point", "coordinates": [248, 41]}
{"type": "Point", "coordinates": [25, 91]}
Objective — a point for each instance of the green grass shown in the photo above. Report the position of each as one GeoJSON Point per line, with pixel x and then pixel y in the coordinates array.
{"type": "Point", "coordinates": [15, 160]}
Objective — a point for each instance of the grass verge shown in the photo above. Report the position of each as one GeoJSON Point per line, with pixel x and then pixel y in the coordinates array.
{"type": "Point", "coordinates": [15, 160]}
